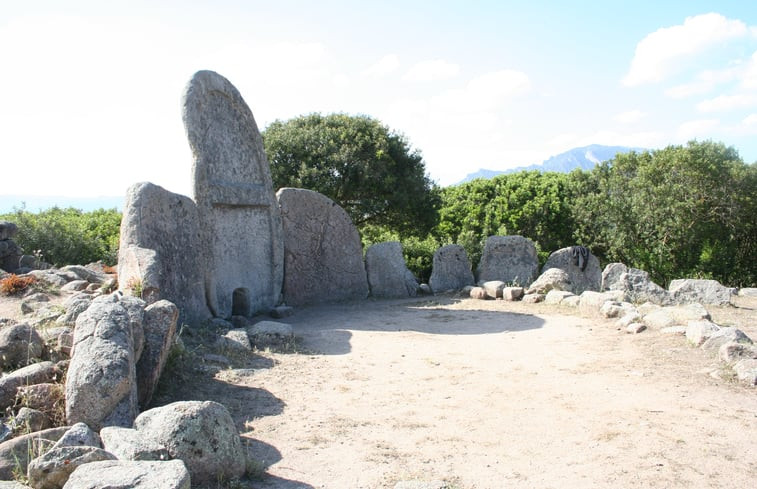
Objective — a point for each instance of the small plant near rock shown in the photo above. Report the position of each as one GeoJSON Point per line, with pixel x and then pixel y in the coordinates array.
{"type": "Point", "coordinates": [14, 285]}
{"type": "Point", "coordinates": [135, 286]}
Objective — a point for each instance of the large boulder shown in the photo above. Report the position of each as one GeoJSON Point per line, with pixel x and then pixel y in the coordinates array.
{"type": "Point", "coordinates": [239, 218]}
{"type": "Point", "coordinates": [202, 434]}
{"type": "Point", "coordinates": [161, 254]}
{"type": "Point", "coordinates": [451, 269]}
{"type": "Point", "coordinates": [323, 259]}
{"type": "Point", "coordinates": [159, 331]}
{"type": "Point", "coordinates": [685, 291]}
{"type": "Point", "coordinates": [388, 275]}
{"type": "Point", "coordinates": [551, 279]}
{"type": "Point", "coordinates": [611, 274]}
{"type": "Point", "coordinates": [130, 444]}
{"type": "Point", "coordinates": [581, 266]}
{"type": "Point", "coordinates": [511, 259]}
{"type": "Point", "coordinates": [122, 474]}
{"type": "Point", "coordinates": [638, 288]}
{"type": "Point", "coordinates": [7, 230]}
{"type": "Point", "coordinates": [101, 388]}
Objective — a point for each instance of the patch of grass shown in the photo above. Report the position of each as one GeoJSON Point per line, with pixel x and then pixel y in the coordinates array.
{"type": "Point", "coordinates": [135, 286]}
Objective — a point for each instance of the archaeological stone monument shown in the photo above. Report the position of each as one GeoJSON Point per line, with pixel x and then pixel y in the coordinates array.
{"type": "Point", "coordinates": [451, 269]}
{"type": "Point", "coordinates": [238, 215]}
{"type": "Point", "coordinates": [388, 275]}
{"type": "Point", "coordinates": [323, 254]}
{"type": "Point", "coordinates": [221, 253]}
{"type": "Point", "coordinates": [511, 259]}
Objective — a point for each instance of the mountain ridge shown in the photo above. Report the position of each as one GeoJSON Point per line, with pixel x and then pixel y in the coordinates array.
{"type": "Point", "coordinates": [584, 157]}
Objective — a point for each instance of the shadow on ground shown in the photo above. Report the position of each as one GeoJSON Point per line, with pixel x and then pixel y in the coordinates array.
{"type": "Point", "coordinates": [327, 329]}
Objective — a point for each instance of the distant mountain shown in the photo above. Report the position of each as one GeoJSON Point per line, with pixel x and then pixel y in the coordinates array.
{"type": "Point", "coordinates": [584, 158]}
{"type": "Point", "coordinates": [36, 203]}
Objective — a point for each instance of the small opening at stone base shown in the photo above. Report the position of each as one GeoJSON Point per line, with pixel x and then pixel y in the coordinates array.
{"type": "Point", "coordinates": [240, 302]}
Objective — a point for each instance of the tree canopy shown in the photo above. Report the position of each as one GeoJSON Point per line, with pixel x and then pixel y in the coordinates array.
{"type": "Point", "coordinates": [368, 169]}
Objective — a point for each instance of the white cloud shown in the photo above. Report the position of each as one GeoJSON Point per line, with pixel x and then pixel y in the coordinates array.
{"type": "Point", "coordinates": [656, 55]}
{"type": "Point", "coordinates": [645, 139]}
{"type": "Point", "coordinates": [484, 93]}
{"type": "Point", "coordinates": [385, 66]}
{"type": "Point", "coordinates": [750, 120]}
{"type": "Point", "coordinates": [705, 81]}
{"type": "Point", "coordinates": [432, 70]}
{"type": "Point", "coordinates": [727, 102]}
{"type": "Point", "coordinates": [750, 75]}
{"type": "Point", "coordinates": [697, 129]}
{"type": "Point", "coordinates": [629, 117]}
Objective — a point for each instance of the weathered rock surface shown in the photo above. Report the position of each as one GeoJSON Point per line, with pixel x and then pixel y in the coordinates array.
{"type": "Point", "coordinates": [52, 469]}
{"type": "Point", "coordinates": [556, 296]}
{"type": "Point", "coordinates": [161, 250]}
{"type": "Point", "coordinates": [202, 434]}
{"type": "Point", "coordinates": [388, 275]}
{"type": "Point", "coordinates": [20, 345]}
{"type": "Point", "coordinates": [36, 373]}
{"type": "Point", "coordinates": [533, 298]}
{"type": "Point", "coordinates": [748, 292]}
{"type": "Point", "coordinates": [588, 278]}
{"type": "Point", "coordinates": [101, 387]}
{"type": "Point", "coordinates": [7, 230]}
{"type": "Point", "coordinates": [451, 269]}
{"type": "Point", "coordinates": [159, 327]}
{"type": "Point", "coordinates": [75, 305]}
{"type": "Point", "coordinates": [746, 371]}
{"type": "Point", "coordinates": [511, 259]}
{"type": "Point", "coordinates": [16, 453]}
{"type": "Point", "coordinates": [323, 260]}
{"type": "Point", "coordinates": [551, 279]}
{"type": "Point", "coordinates": [638, 288]}
{"type": "Point", "coordinates": [734, 351]}
{"type": "Point", "coordinates": [28, 420]}
{"type": "Point", "coordinates": [79, 435]}
{"type": "Point", "coordinates": [130, 444]}
{"type": "Point", "coordinates": [592, 301]}
{"type": "Point", "coordinates": [120, 474]}
{"type": "Point", "coordinates": [479, 293]}
{"type": "Point", "coordinates": [240, 220]}
{"type": "Point", "coordinates": [723, 336]}
{"type": "Point", "coordinates": [685, 291]}
{"type": "Point", "coordinates": [699, 331]}
{"type": "Point", "coordinates": [235, 339]}
{"type": "Point", "coordinates": [512, 293]}
{"type": "Point", "coordinates": [494, 288]}
{"type": "Point", "coordinates": [663, 317]}
{"type": "Point", "coordinates": [611, 274]}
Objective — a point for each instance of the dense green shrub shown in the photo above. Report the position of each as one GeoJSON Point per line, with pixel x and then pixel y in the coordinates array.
{"type": "Point", "coordinates": [68, 236]}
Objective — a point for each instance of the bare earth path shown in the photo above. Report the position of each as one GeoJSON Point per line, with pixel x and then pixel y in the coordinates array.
{"type": "Point", "coordinates": [497, 395]}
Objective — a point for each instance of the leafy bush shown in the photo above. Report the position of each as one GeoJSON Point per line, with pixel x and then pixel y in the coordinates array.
{"type": "Point", "coordinates": [68, 236]}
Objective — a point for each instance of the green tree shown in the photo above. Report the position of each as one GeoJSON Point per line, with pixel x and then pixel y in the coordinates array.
{"type": "Point", "coordinates": [683, 211]}
{"type": "Point", "coordinates": [359, 163]}
{"type": "Point", "coordinates": [532, 204]}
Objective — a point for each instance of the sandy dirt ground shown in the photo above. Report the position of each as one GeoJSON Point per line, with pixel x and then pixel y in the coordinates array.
{"type": "Point", "coordinates": [488, 394]}
{"type": "Point", "coordinates": [491, 394]}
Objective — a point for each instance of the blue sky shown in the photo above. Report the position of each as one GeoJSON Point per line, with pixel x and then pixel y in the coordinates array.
{"type": "Point", "coordinates": [90, 93]}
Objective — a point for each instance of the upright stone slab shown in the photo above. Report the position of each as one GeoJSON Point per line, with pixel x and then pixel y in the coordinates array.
{"type": "Point", "coordinates": [238, 215]}
{"type": "Point", "coordinates": [451, 269]}
{"type": "Point", "coordinates": [387, 271]}
{"type": "Point", "coordinates": [323, 254]}
{"type": "Point", "coordinates": [161, 250]}
{"type": "Point", "coordinates": [582, 276]}
{"type": "Point", "coordinates": [511, 259]}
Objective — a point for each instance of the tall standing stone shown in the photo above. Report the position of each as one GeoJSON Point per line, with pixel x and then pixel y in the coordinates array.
{"type": "Point", "coordinates": [323, 254]}
{"type": "Point", "coordinates": [388, 275]}
{"type": "Point", "coordinates": [237, 209]}
{"type": "Point", "coordinates": [451, 269]}
{"type": "Point", "coordinates": [161, 250]}
{"type": "Point", "coordinates": [511, 259]}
